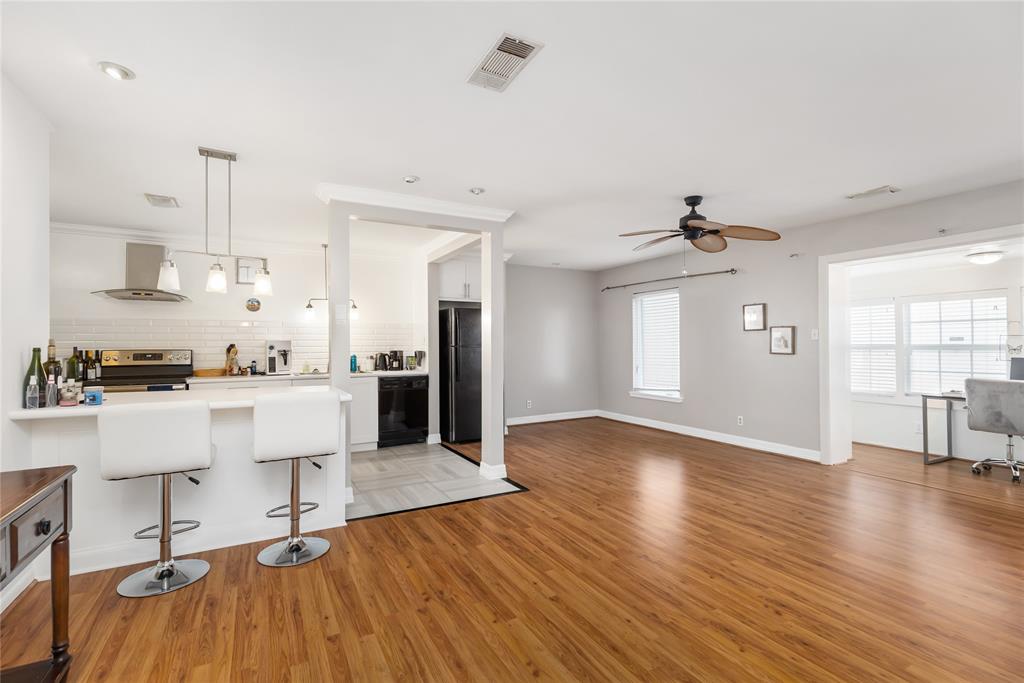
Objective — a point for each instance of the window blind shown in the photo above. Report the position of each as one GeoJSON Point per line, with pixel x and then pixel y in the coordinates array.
{"type": "Point", "coordinates": [873, 348]}
{"type": "Point", "coordinates": [656, 342]}
{"type": "Point", "coordinates": [950, 339]}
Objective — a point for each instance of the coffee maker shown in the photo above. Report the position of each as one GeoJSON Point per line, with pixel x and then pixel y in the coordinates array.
{"type": "Point", "coordinates": [396, 360]}
{"type": "Point", "coordinates": [279, 357]}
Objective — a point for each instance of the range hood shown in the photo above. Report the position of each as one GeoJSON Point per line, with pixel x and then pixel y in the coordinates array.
{"type": "Point", "coordinates": [141, 271]}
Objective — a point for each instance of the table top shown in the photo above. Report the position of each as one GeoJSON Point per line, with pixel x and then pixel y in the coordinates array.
{"type": "Point", "coordinates": [20, 488]}
{"type": "Point", "coordinates": [945, 397]}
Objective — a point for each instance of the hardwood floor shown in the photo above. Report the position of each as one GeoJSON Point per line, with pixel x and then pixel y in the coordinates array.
{"type": "Point", "coordinates": [635, 555]}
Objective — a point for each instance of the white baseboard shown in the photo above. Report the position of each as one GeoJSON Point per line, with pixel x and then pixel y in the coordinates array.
{"type": "Point", "coordinates": [360, 447]}
{"type": "Point", "coordinates": [16, 587]}
{"type": "Point", "coordinates": [433, 438]}
{"type": "Point", "coordinates": [742, 441]}
{"type": "Point", "coordinates": [493, 471]}
{"type": "Point", "coordinates": [552, 417]}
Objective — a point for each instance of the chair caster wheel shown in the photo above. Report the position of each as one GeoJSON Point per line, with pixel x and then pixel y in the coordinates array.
{"type": "Point", "coordinates": [987, 467]}
{"type": "Point", "coordinates": [975, 470]}
{"type": "Point", "coordinates": [1016, 480]}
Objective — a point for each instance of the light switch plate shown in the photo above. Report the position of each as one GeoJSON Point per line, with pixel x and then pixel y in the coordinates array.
{"type": "Point", "coordinates": [814, 334]}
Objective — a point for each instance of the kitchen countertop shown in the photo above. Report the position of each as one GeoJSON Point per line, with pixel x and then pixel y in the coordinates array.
{"type": "Point", "coordinates": [219, 399]}
{"type": "Point", "coordinates": [258, 378]}
{"type": "Point", "coordinates": [390, 373]}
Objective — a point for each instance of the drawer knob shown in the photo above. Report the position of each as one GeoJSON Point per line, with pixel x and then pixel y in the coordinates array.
{"type": "Point", "coordinates": [43, 527]}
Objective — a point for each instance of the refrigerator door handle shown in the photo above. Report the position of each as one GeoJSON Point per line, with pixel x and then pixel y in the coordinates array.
{"type": "Point", "coordinates": [455, 328]}
{"type": "Point", "coordinates": [451, 393]}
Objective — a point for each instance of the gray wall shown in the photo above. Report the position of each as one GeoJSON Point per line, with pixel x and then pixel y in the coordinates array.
{"type": "Point", "coordinates": [551, 354]}
{"type": "Point", "coordinates": [727, 372]}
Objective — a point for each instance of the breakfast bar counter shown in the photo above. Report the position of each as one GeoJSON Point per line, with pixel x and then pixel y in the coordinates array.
{"type": "Point", "coordinates": [230, 502]}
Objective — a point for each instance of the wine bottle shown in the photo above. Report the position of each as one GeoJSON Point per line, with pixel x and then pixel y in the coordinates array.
{"type": "Point", "coordinates": [99, 365]}
{"type": "Point", "coordinates": [52, 366]}
{"type": "Point", "coordinates": [35, 369]}
{"type": "Point", "coordinates": [74, 371]}
{"type": "Point", "coordinates": [90, 367]}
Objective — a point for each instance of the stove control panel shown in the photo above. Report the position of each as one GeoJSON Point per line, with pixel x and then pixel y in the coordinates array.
{"type": "Point", "coordinates": [146, 357]}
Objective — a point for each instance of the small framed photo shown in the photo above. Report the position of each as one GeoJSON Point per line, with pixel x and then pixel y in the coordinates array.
{"type": "Point", "coordinates": [783, 340]}
{"type": "Point", "coordinates": [754, 317]}
{"type": "Point", "coordinates": [245, 270]}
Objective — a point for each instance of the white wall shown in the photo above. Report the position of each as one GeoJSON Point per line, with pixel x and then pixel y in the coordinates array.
{"type": "Point", "coordinates": [896, 421]}
{"type": "Point", "coordinates": [551, 341]}
{"type": "Point", "coordinates": [24, 253]}
{"type": "Point", "coordinates": [390, 292]}
{"type": "Point", "coordinates": [727, 372]}
{"type": "Point", "coordinates": [83, 263]}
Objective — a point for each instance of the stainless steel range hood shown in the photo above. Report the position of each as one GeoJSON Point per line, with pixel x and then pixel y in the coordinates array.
{"type": "Point", "coordinates": [141, 271]}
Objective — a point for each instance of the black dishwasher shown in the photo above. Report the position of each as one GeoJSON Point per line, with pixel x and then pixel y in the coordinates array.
{"type": "Point", "coordinates": [401, 410]}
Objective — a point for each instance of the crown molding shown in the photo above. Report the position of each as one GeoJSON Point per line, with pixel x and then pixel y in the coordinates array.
{"type": "Point", "coordinates": [174, 240]}
{"type": "Point", "coordinates": [328, 192]}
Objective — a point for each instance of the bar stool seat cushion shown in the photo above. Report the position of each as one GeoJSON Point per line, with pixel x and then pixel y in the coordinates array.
{"type": "Point", "coordinates": [148, 439]}
{"type": "Point", "coordinates": [296, 425]}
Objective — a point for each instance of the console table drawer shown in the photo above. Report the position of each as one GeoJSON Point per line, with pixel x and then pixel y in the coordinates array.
{"type": "Point", "coordinates": [36, 527]}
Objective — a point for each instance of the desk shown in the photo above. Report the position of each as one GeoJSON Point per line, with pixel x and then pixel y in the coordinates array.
{"type": "Point", "coordinates": [35, 512]}
{"type": "Point", "coordinates": [949, 400]}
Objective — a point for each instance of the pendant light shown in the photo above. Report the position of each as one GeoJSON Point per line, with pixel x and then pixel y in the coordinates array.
{"type": "Point", "coordinates": [353, 310]}
{"type": "Point", "coordinates": [262, 286]}
{"type": "Point", "coordinates": [216, 280]}
{"type": "Point", "coordinates": [168, 279]}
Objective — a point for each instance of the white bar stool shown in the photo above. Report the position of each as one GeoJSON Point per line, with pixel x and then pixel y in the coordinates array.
{"type": "Point", "coordinates": [292, 426]}
{"type": "Point", "coordinates": [157, 440]}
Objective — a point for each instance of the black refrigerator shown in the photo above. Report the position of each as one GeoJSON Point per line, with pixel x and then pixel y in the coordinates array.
{"type": "Point", "coordinates": [460, 374]}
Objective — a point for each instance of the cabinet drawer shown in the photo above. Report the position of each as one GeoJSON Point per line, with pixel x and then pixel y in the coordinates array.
{"type": "Point", "coordinates": [34, 528]}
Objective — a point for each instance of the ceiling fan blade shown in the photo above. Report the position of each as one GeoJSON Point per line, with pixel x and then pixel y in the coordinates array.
{"type": "Point", "coordinates": [644, 232]}
{"type": "Point", "coordinates": [656, 241]}
{"type": "Point", "coordinates": [710, 243]}
{"type": "Point", "coordinates": [745, 232]}
{"type": "Point", "coordinates": [707, 225]}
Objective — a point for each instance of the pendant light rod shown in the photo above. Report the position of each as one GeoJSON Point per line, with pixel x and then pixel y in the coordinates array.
{"type": "Point", "coordinates": [206, 199]}
{"type": "Point", "coordinates": [309, 302]}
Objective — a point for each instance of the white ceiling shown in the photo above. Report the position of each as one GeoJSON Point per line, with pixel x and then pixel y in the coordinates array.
{"type": "Point", "coordinates": [773, 111]}
{"type": "Point", "coordinates": [947, 257]}
{"type": "Point", "coordinates": [369, 237]}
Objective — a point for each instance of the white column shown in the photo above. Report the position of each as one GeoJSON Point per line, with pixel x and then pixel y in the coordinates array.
{"type": "Point", "coordinates": [492, 409]}
{"type": "Point", "coordinates": [338, 294]}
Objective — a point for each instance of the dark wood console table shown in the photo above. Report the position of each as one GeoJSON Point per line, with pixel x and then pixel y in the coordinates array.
{"type": "Point", "coordinates": [35, 512]}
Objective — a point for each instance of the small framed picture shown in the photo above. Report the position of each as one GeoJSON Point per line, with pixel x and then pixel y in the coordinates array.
{"type": "Point", "coordinates": [245, 270]}
{"type": "Point", "coordinates": [753, 317]}
{"type": "Point", "coordinates": [783, 340]}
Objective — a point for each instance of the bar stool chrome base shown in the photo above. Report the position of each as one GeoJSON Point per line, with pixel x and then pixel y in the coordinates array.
{"type": "Point", "coordinates": [293, 551]}
{"type": "Point", "coordinates": [164, 577]}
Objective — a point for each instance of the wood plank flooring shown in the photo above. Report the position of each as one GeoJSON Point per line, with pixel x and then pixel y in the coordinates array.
{"type": "Point", "coordinates": [636, 555]}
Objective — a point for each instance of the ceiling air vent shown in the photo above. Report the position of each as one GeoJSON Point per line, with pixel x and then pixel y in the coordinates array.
{"type": "Point", "coordinates": [504, 62]}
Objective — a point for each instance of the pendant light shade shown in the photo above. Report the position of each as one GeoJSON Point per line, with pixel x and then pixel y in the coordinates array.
{"type": "Point", "coordinates": [217, 281]}
{"type": "Point", "coordinates": [168, 279]}
{"type": "Point", "coordinates": [262, 285]}
{"type": "Point", "coordinates": [353, 310]}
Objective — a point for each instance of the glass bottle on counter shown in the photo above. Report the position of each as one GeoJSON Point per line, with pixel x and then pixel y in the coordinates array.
{"type": "Point", "coordinates": [90, 367]}
{"type": "Point", "coordinates": [74, 371]}
{"type": "Point", "coordinates": [32, 393]}
{"type": "Point", "coordinates": [34, 376]}
{"type": "Point", "coordinates": [99, 369]}
{"type": "Point", "coordinates": [52, 367]}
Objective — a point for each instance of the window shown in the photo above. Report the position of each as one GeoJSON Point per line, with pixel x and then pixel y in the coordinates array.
{"type": "Point", "coordinates": [873, 348]}
{"type": "Point", "coordinates": [948, 339]}
{"type": "Point", "coordinates": [656, 345]}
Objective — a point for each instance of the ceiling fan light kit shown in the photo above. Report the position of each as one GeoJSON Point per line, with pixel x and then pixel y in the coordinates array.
{"type": "Point", "coordinates": [708, 236]}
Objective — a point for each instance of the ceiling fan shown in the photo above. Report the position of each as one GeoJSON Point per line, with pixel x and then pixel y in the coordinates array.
{"type": "Point", "coordinates": [706, 235]}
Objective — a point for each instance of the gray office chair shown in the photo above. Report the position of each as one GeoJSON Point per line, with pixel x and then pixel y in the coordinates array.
{"type": "Point", "coordinates": [997, 406]}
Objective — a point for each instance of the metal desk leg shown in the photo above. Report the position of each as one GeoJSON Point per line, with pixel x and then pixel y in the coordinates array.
{"type": "Point", "coordinates": [949, 432]}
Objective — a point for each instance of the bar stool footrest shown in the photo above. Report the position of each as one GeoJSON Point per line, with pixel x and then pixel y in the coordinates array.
{"type": "Point", "coordinates": [304, 507]}
{"type": "Point", "coordinates": [142, 534]}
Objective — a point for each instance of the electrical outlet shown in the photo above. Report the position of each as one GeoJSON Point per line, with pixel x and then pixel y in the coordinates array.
{"type": "Point", "coordinates": [814, 334]}
{"type": "Point", "coordinates": [917, 427]}
{"type": "Point", "coordinates": [529, 404]}
{"type": "Point", "coordinates": [739, 420]}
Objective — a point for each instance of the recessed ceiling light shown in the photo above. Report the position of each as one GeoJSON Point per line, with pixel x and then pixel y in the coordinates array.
{"type": "Point", "coordinates": [162, 201]}
{"type": "Point", "coordinates": [116, 71]}
{"type": "Point", "coordinates": [411, 179]}
{"type": "Point", "coordinates": [477, 190]}
{"type": "Point", "coordinates": [984, 258]}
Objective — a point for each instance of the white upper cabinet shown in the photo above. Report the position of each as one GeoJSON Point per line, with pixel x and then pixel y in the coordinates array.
{"type": "Point", "coordinates": [460, 280]}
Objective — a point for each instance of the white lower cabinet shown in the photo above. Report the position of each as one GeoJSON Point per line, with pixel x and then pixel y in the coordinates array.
{"type": "Point", "coordinates": [363, 423]}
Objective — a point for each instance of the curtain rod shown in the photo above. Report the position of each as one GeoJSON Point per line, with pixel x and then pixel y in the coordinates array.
{"type": "Point", "coordinates": [730, 271]}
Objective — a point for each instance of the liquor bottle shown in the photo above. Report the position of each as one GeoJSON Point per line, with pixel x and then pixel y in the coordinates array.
{"type": "Point", "coordinates": [35, 370]}
{"type": "Point", "coordinates": [99, 365]}
{"type": "Point", "coordinates": [90, 367]}
{"type": "Point", "coordinates": [32, 393]}
{"type": "Point", "coordinates": [52, 366]}
{"type": "Point", "coordinates": [74, 371]}
{"type": "Point", "coordinates": [52, 392]}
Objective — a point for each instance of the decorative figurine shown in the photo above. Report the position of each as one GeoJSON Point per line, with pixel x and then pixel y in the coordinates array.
{"type": "Point", "coordinates": [231, 361]}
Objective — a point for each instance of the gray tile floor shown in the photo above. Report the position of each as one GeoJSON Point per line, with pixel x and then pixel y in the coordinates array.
{"type": "Point", "coordinates": [414, 476]}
